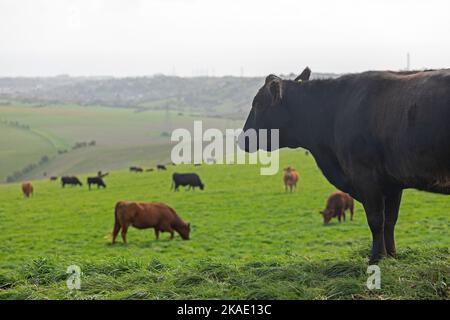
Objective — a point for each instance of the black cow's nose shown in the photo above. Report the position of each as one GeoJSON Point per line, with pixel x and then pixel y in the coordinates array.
{"type": "Point", "coordinates": [248, 141]}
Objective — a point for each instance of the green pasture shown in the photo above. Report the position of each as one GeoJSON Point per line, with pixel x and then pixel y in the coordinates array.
{"type": "Point", "coordinates": [250, 240]}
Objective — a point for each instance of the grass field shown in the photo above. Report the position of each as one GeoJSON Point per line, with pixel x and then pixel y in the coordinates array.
{"type": "Point", "coordinates": [249, 240]}
{"type": "Point", "coordinates": [123, 137]}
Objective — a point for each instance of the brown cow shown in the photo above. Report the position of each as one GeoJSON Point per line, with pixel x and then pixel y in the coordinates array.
{"type": "Point", "coordinates": [27, 189]}
{"type": "Point", "coordinates": [143, 215]}
{"type": "Point", "coordinates": [290, 178]}
{"type": "Point", "coordinates": [337, 204]}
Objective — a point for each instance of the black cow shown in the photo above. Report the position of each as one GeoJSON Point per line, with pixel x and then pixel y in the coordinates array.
{"type": "Point", "coordinates": [70, 180]}
{"type": "Point", "coordinates": [186, 179]}
{"type": "Point", "coordinates": [161, 167]}
{"type": "Point", "coordinates": [372, 134]}
{"type": "Point", "coordinates": [136, 169]}
{"type": "Point", "coordinates": [96, 180]}
{"type": "Point", "coordinates": [101, 174]}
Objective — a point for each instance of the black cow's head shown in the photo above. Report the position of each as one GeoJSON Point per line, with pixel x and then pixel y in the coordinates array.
{"type": "Point", "coordinates": [270, 111]}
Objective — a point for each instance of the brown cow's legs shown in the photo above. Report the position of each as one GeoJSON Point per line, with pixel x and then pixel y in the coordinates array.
{"type": "Point", "coordinates": [171, 234]}
{"type": "Point", "coordinates": [157, 233]}
{"type": "Point", "coordinates": [115, 232]}
{"type": "Point", "coordinates": [392, 206]}
{"type": "Point", "coordinates": [339, 213]}
{"type": "Point", "coordinates": [124, 233]}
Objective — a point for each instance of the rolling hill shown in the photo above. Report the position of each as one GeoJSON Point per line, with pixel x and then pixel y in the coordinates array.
{"type": "Point", "coordinates": [123, 137]}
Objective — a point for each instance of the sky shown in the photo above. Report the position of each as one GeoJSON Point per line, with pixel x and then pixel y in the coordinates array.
{"type": "Point", "coordinates": [220, 37]}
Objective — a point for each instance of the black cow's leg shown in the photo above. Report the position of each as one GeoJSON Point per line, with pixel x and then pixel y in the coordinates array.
{"type": "Point", "coordinates": [392, 206]}
{"type": "Point", "coordinates": [374, 207]}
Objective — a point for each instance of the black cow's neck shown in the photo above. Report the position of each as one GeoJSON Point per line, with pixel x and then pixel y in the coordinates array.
{"type": "Point", "coordinates": [312, 106]}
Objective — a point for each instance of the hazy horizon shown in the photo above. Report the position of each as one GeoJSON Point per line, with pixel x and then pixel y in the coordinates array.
{"type": "Point", "coordinates": [216, 38]}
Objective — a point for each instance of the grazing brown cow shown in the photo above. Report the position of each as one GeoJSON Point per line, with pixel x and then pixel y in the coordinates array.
{"type": "Point", "coordinates": [337, 204]}
{"type": "Point", "coordinates": [143, 215]}
{"type": "Point", "coordinates": [27, 189]}
{"type": "Point", "coordinates": [290, 178]}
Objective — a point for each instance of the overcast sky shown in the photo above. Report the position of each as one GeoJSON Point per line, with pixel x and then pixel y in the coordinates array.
{"type": "Point", "coordinates": [220, 37]}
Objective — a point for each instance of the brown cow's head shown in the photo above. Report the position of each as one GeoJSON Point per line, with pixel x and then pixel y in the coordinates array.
{"type": "Point", "coordinates": [270, 111]}
{"type": "Point", "coordinates": [327, 215]}
{"type": "Point", "coordinates": [184, 231]}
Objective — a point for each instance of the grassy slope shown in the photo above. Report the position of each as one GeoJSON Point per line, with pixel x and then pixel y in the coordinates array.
{"type": "Point", "coordinates": [20, 147]}
{"type": "Point", "coordinates": [249, 240]}
{"type": "Point", "coordinates": [123, 137]}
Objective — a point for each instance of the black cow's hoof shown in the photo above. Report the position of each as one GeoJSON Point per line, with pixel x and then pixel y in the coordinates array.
{"type": "Point", "coordinates": [392, 255]}
{"type": "Point", "coordinates": [375, 259]}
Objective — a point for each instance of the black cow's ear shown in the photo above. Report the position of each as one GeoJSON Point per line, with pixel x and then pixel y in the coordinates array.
{"type": "Point", "coordinates": [271, 77]}
{"type": "Point", "coordinates": [275, 88]}
{"type": "Point", "coordinates": [304, 76]}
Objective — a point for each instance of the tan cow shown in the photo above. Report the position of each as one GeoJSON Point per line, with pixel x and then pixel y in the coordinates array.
{"type": "Point", "coordinates": [27, 189]}
{"type": "Point", "coordinates": [290, 178]}
{"type": "Point", "coordinates": [143, 215]}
